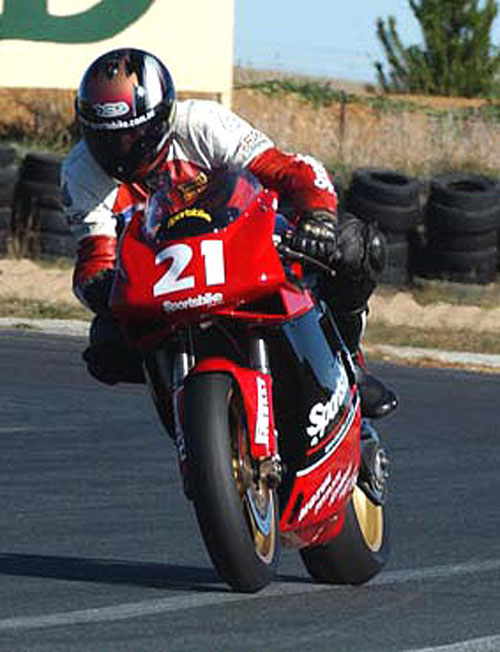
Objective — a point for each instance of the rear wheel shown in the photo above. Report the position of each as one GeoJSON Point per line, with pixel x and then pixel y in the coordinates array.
{"type": "Point", "coordinates": [237, 512]}
{"type": "Point", "coordinates": [359, 552]}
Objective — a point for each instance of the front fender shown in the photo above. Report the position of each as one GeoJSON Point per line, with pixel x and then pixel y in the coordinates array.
{"type": "Point", "coordinates": [256, 390]}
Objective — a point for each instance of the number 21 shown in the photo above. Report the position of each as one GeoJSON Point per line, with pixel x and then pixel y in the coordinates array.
{"type": "Point", "coordinates": [181, 255]}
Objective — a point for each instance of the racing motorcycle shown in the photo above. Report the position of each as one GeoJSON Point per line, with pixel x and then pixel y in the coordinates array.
{"type": "Point", "coordinates": [251, 378]}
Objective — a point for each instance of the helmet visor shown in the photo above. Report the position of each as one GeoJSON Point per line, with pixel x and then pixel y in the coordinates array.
{"type": "Point", "coordinates": [126, 154]}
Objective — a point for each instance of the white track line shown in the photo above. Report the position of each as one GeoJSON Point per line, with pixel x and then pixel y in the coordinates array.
{"type": "Point", "coordinates": [487, 644]}
{"type": "Point", "coordinates": [207, 598]}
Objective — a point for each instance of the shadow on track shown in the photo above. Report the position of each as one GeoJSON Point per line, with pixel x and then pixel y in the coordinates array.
{"type": "Point", "coordinates": [108, 571]}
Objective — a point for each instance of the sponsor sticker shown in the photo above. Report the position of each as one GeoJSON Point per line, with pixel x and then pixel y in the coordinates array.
{"type": "Point", "coordinates": [322, 414]}
{"type": "Point", "coordinates": [111, 109]}
{"type": "Point", "coordinates": [189, 212]}
{"type": "Point", "coordinates": [190, 190]}
{"type": "Point", "coordinates": [201, 300]}
{"type": "Point", "coordinates": [252, 141]}
{"type": "Point", "coordinates": [117, 123]}
{"type": "Point", "coordinates": [262, 421]}
{"type": "Point", "coordinates": [331, 489]}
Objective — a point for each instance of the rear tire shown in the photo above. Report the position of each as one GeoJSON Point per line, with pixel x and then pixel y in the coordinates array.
{"type": "Point", "coordinates": [237, 513]}
{"type": "Point", "coordinates": [361, 549]}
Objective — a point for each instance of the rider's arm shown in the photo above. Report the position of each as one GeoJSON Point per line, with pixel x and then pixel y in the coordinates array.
{"type": "Point", "coordinates": [302, 179]}
{"type": "Point", "coordinates": [89, 198]}
{"type": "Point", "coordinates": [221, 138]}
{"type": "Point", "coordinates": [228, 139]}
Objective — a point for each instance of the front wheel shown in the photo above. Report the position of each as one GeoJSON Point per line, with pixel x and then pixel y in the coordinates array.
{"type": "Point", "coordinates": [361, 549]}
{"type": "Point", "coordinates": [237, 512]}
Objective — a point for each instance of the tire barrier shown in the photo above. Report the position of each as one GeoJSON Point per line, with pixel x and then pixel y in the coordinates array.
{"type": "Point", "coordinates": [5, 214]}
{"type": "Point", "coordinates": [8, 156]}
{"type": "Point", "coordinates": [462, 222]}
{"type": "Point", "coordinates": [8, 176]}
{"type": "Point", "coordinates": [447, 228]}
{"type": "Point", "coordinates": [39, 225]}
{"type": "Point", "coordinates": [393, 200]}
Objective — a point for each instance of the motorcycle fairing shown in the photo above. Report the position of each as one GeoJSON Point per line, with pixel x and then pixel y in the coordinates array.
{"type": "Point", "coordinates": [313, 363]}
{"type": "Point", "coordinates": [206, 274]}
{"type": "Point", "coordinates": [256, 390]}
{"type": "Point", "coordinates": [320, 494]}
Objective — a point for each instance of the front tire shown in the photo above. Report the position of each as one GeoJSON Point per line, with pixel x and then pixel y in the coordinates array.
{"type": "Point", "coordinates": [237, 512]}
{"type": "Point", "coordinates": [361, 549]}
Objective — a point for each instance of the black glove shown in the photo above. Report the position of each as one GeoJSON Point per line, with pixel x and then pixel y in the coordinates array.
{"type": "Point", "coordinates": [316, 236]}
{"type": "Point", "coordinates": [97, 290]}
{"type": "Point", "coordinates": [362, 249]}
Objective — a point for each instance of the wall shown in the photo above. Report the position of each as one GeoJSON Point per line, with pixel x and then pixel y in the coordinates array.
{"type": "Point", "coordinates": [49, 43]}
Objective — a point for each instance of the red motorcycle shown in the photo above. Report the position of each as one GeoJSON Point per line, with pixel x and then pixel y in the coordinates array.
{"type": "Point", "coordinates": [252, 380]}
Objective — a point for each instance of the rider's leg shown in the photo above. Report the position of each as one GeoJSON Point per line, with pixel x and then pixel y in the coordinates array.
{"type": "Point", "coordinates": [110, 359]}
{"type": "Point", "coordinates": [376, 399]}
{"type": "Point", "coordinates": [347, 297]}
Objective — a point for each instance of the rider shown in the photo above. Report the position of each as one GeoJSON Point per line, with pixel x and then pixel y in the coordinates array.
{"type": "Point", "coordinates": [132, 127]}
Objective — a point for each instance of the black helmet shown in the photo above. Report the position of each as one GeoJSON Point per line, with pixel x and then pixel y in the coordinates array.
{"type": "Point", "coordinates": [126, 106]}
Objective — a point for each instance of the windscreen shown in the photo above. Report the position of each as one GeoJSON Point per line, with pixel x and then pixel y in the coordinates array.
{"type": "Point", "coordinates": [225, 197]}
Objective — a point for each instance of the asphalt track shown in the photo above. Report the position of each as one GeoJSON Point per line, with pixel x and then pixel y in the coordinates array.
{"type": "Point", "coordinates": [99, 551]}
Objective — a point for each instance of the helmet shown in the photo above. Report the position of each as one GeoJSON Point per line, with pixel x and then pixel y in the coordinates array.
{"type": "Point", "coordinates": [126, 107]}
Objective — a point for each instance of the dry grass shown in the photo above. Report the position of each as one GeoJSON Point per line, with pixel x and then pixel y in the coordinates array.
{"type": "Point", "coordinates": [419, 142]}
{"type": "Point", "coordinates": [15, 306]}
{"type": "Point", "coordinates": [40, 118]}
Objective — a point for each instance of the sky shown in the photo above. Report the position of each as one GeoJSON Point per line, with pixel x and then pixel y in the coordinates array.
{"type": "Point", "coordinates": [333, 38]}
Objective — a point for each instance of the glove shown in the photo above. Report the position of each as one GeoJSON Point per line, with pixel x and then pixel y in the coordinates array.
{"type": "Point", "coordinates": [97, 290]}
{"type": "Point", "coordinates": [362, 249]}
{"type": "Point", "coordinates": [316, 236]}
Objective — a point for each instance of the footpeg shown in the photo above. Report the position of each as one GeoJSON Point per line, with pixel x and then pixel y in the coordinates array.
{"type": "Point", "coordinates": [271, 471]}
{"type": "Point", "coordinates": [374, 469]}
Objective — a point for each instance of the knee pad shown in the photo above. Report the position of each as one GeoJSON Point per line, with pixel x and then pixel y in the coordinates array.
{"type": "Point", "coordinates": [347, 295]}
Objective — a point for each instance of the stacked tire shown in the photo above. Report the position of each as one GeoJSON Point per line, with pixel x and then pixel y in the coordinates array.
{"type": "Point", "coordinates": [463, 218]}
{"type": "Point", "coordinates": [8, 176]}
{"type": "Point", "coordinates": [40, 227]}
{"type": "Point", "coordinates": [392, 200]}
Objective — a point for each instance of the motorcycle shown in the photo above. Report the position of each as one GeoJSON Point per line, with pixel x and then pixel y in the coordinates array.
{"type": "Point", "coordinates": [251, 378]}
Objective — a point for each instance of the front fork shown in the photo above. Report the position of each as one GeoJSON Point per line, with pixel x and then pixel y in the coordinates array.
{"type": "Point", "coordinates": [270, 469]}
{"type": "Point", "coordinates": [165, 370]}
{"type": "Point", "coordinates": [171, 367]}
{"type": "Point", "coordinates": [182, 363]}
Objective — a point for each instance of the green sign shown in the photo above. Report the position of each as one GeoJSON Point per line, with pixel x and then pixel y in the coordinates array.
{"type": "Point", "coordinates": [30, 21]}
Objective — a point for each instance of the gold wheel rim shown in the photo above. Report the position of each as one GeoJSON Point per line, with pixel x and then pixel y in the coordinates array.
{"type": "Point", "coordinates": [370, 518]}
{"type": "Point", "coordinates": [256, 497]}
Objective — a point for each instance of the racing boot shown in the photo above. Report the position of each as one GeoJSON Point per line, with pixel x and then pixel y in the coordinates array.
{"type": "Point", "coordinates": [377, 400]}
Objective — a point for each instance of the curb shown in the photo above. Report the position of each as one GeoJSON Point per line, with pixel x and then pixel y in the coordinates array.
{"type": "Point", "coordinates": [482, 362]}
{"type": "Point", "coordinates": [398, 354]}
{"type": "Point", "coordinates": [70, 327]}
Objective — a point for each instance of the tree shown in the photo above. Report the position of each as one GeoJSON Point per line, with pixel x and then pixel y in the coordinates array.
{"type": "Point", "coordinates": [457, 57]}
